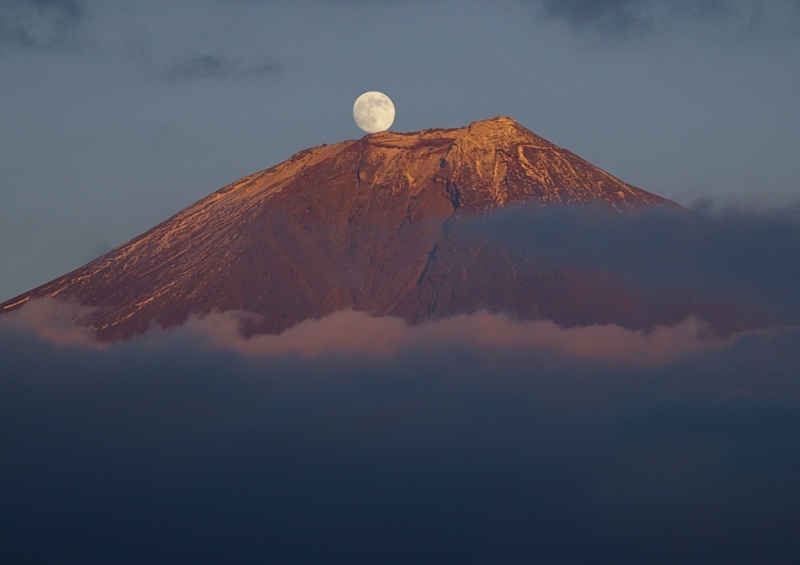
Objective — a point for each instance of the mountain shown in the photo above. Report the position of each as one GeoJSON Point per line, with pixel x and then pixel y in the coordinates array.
{"type": "Point", "coordinates": [384, 224]}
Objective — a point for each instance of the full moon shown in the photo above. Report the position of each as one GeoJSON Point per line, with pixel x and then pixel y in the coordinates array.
{"type": "Point", "coordinates": [373, 112]}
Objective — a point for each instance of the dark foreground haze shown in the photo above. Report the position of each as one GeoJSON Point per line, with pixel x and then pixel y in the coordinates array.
{"type": "Point", "coordinates": [475, 439]}
{"type": "Point", "coordinates": [166, 451]}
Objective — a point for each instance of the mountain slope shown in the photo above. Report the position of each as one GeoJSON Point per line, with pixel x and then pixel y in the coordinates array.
{"type": "Point", "coordinates": [379, 224]}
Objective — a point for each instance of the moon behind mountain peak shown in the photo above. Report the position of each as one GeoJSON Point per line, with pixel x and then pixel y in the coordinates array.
{"type": "Point", "coordinates": [373, 112]}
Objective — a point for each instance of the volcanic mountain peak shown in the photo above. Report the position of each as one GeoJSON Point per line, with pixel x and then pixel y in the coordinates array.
{"type": "Point", "coordinates": [378, 224]}
{"type": "Point", "coordinates": [500, 132]}
{"type": "Point", "coordinates": [492, 162]}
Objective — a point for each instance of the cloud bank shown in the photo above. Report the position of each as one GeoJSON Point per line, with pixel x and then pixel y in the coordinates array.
{"type": "Point", "coordinates": [360, 334]}
{"type": "Point", "coordinates": [352, 438]}
{"type": "Point", "coordinates": [735, 253]}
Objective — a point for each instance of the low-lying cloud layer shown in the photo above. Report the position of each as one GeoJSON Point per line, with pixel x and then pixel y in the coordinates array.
{"type": "Point", "coordinates": [351, 438]}
{"type": "Point", "coordinates": [360, 334]}
{"type": "Point", "coordinates": [735, 253]}
{"type": "Point", "coordinates": [472, 439]}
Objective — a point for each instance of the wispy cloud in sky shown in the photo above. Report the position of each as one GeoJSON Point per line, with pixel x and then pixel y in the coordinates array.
{"type": "Point", "coordinates": [623, 19]}
{"type": "Point", "coordinates": [40, 24]}
{"type": "Point", "coordinates": [215, 67]}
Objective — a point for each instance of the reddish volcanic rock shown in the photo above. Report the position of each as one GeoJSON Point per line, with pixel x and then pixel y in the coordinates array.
{"type": "Point", "coordinates": [375, 225]}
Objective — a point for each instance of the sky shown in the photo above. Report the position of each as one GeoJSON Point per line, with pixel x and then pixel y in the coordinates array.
{"type": "Point", "coordinates": [115, 115]}
{"type": "Point", "coordinates": [477, 438]}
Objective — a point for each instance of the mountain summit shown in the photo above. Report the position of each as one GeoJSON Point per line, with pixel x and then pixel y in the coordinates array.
{"type": "Point", "coordinates": [383, 224]}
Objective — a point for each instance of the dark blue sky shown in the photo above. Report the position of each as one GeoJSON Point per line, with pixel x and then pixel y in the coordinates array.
{"type": "Point", "coordinates": [114, 115]}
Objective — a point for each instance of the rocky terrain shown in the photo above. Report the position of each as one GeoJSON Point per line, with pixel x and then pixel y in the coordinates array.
{"type": "Point", "coordinates": [383, 224]}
